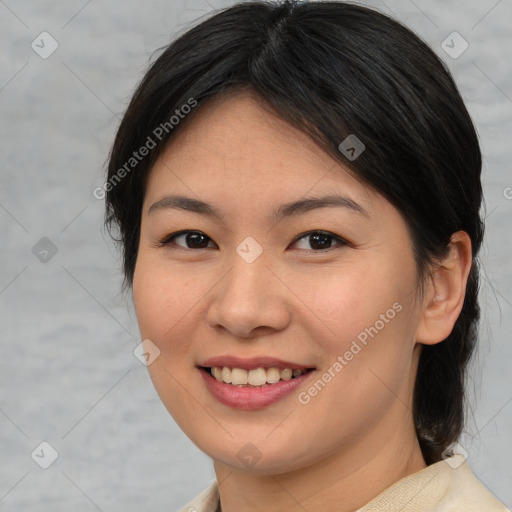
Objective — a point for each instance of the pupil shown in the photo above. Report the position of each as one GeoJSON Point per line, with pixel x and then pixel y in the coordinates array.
{"type": "Point", "coordinates": [324, 237]}
{"type": "Point", "coordinates": [194, 239]}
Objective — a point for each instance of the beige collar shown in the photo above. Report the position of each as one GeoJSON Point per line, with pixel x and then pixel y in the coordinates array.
{"type": "Point", "coordinates": [446, 486]}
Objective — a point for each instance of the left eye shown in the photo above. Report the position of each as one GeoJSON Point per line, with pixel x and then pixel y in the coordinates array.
{"type": "Point", "coordinates": [191, 239]}
{"type": "Point", "coordinates": [320, 240]}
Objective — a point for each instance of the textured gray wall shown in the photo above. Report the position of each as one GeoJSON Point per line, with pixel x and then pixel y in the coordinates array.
{"type": "Point", "coordinates": [67, 372]}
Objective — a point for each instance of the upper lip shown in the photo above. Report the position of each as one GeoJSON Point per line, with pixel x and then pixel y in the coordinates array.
{"type": "Point", "coordinates": [252, 363]}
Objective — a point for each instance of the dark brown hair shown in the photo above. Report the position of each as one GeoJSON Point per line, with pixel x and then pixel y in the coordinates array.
{"type": "Point", "coordinates": [331, 69]}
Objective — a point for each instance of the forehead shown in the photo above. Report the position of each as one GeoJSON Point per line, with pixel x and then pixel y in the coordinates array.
{"type": "Point", "coordinates": [235, 143]}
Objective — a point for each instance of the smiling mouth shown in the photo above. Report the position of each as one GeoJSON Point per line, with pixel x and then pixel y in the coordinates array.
{"type": "Point", "coordinates": [257, 377]}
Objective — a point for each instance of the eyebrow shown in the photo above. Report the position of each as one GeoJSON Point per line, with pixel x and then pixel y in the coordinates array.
{"type": "Point", "coordinates": [190, 204]}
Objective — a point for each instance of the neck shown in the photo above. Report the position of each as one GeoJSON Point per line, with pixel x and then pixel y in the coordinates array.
{"type": "Point", "coordinates": [343, 482]}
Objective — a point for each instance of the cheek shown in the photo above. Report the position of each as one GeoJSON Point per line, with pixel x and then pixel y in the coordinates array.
{"type": "Point", "coordinates": [367, 313]}
{"type": "Point", "coordinates": [169, 301]}
{"type": "Point", "coordinates": [163, 300]}
{"type": "Point", "coordinates": [354, 298]}
{"type": "Point", "coordinates": [159, 303]}
{"type": "Point", "coordinates": [161, 295]}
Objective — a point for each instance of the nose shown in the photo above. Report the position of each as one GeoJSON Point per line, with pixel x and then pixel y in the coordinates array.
{"type": "Point", "coordinates": [250, 300]}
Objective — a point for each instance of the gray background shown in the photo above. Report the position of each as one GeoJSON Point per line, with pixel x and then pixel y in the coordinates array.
{"type": "Point", "coordinates": [67, 372]}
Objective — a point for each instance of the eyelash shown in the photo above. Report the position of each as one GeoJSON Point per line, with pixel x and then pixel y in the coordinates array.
{"type": "Point", "coordinates": [166, 241]}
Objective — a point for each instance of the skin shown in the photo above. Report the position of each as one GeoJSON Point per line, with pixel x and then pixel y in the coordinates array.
{"type": "Point", "coordinates": [354, 438]}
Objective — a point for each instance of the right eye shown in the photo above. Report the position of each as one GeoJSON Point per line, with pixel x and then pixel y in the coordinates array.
{"type": "Point", "coordinates": [189, 240]}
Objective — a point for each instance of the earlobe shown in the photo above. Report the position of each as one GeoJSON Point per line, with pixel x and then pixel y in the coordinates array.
{"type": "Point", "coordinates": [445, 292]}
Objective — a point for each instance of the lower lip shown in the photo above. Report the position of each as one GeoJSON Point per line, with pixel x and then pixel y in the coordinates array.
{"type": "Point", "coordinates": [255, 397]}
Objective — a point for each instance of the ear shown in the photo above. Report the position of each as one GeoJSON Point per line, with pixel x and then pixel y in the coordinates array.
{"type": "Point", "coordinates": [445, 292]}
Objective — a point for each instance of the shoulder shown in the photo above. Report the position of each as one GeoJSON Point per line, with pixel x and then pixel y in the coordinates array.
{"type": "Point", "coordinates": [446, 486]}
{"type": "Point", "coordinates": [206, 501]}
{"type": "Point", "coordinates": [466, 490]}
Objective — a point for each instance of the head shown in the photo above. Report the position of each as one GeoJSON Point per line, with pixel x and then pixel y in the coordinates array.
{"type": "Point", "coordinates": [247, 111]}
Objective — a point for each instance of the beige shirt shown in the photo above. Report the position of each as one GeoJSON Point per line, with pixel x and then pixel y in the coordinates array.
{"type": "Point", "coordinates": [446, 486]}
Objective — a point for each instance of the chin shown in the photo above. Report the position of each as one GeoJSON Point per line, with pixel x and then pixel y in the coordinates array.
{"type": "Point", "coordinates": [259, 458]}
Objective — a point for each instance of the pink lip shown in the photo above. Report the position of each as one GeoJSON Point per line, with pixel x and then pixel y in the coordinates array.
{"type": "Point", "coordinates": [251, 398]}
{"type": "Point", "coordinates": [252, 363]}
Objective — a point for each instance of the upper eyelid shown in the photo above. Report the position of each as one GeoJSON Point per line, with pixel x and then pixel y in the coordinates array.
{"type": "Point", "coordinates": [321, 231]}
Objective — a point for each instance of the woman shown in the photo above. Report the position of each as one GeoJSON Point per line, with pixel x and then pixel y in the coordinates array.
{"type": "Point", "coordinates": [296, 189]}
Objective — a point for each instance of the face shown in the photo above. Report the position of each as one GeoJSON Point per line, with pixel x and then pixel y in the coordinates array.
{"type": "Point", "coordinates": [245, 282]}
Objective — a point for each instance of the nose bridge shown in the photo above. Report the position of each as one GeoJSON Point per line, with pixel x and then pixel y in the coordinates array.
{"type": "Point", "coordinates": [248, 273]}
{"type": "Point", "coordinates": [248, 297]}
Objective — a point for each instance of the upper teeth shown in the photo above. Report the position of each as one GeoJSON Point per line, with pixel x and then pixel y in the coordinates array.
{"type": "Point", "coordinates": [256, 377]}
